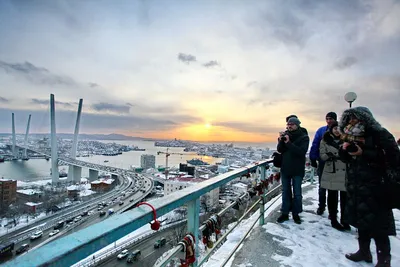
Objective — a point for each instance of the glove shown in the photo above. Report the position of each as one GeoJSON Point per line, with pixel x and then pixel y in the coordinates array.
{"type": "Point", "coordinates": [330, 155]}
{"type": "Point", "coordinates": [314, 163]}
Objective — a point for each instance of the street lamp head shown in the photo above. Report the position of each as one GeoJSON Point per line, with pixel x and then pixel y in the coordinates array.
{"type": "Point", "coordinates": [350, 97]}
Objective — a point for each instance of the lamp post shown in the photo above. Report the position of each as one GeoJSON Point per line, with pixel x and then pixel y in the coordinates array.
{"type": "Point", "coordinates": [350, 97]}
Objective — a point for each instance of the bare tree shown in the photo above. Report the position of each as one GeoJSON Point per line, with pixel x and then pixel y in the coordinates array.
{"type": "Point", "coordinates": [204, 200]}
{"type": "Point", "coordinates": [177, 234]}
{"type": "Point", "coordinates": [14, 213]}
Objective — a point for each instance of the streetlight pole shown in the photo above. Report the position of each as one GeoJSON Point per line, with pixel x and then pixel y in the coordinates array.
{"type": "Point", "coordinates": [350, 97]}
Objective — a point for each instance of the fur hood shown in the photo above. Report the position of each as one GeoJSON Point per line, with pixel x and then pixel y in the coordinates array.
{"type": "Point", "coordinates": [363, 114]}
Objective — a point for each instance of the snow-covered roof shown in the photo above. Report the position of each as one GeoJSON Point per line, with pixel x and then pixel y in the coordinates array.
{"type": "Point", "coordinates": [6, 180]}
{"type": "Point", "coordinates": [29, 192]}
{"type": "Point", "coordinates": [78, 187]}
{"type": "Point", "coordinates": [187, 179]}
{"type": "Point", "coordinates": [240, 185]}
{"type": "Point", "coordinates": [86, 193]}
{"type": "Point", "coordinates": [104, 181]}
{"type": "Point", "coordinates": [33, 204]}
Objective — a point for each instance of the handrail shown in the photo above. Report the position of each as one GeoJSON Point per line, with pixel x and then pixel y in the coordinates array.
{"type": "Point", "coordinates": [178, 248]}
{"type": "Point", "coordinates": [76, 246]}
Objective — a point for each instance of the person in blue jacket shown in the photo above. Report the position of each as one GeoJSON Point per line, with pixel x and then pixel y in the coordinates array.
{"type": "Point", "coordinates": [316, 161]}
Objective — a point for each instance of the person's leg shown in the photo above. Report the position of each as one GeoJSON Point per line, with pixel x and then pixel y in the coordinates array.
{"type": "Point", "coordinates": [343, 201]}
{"type": "Point", "coordinates": [333, 199]}
{"type": "Point", "coordinates": [383, 250]}
{"type": "Point", "coordinates": [286, 198]}
{"type": "Point", "coordinates": [297, 198]}
{"type": "Point", "coordinates": [321, 191]}
{"type": "Point", "coordinates": [364, 252]}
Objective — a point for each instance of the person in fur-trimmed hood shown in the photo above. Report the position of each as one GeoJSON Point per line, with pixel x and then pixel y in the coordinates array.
{"type": "Point", "coordinates": [365, 208]}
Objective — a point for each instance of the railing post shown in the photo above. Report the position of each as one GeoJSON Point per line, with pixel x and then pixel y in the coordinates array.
{"type": "Point", "coordinates": [262, 178]}
{"type": "Point", "coordinates": [193, 224]}
{"type": "Point", "coordinates": [312, 174]}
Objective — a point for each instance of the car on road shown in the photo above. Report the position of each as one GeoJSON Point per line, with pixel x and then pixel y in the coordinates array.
{"type": "Point", "coordinates": [102, 213]}
{"type": "Point", "coordinates": [160, 243]}
{"type": "Point", "coordinates": [134, 256]}
{"type": "Point", "coordinates": [54, 232]}
{"type": "Point", "coordinates": [123, 254]}
{"type": "Point", "coordinates": [22, 248]}
{"type": "Point", "coordinates": [36, 235]}
{"type": "Point", "coordinates": [121, 203]}
{"type": "Point", "coordinates": [77, 219]}
{"type": "Point", "coordinates": [59, 225]}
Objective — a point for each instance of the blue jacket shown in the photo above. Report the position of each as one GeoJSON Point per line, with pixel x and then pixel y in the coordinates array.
{"type": "Point", "coordinates": [314, 151]}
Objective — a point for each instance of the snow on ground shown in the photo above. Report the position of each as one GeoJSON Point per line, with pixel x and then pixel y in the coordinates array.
{"type": "Point", "coordinates": [237, 234]}
{"type": "Point", "coordinates": [37, 183]}
{"type": "Point", "coordinates": [22, 222]}
{"type": "Point", "coordinates": [313, 243]}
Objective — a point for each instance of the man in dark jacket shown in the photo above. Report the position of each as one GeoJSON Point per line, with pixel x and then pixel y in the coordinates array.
{"type": "Point", "coordinates": [293, 145]}
{"type": "Point", "coordinates": [330, 118]}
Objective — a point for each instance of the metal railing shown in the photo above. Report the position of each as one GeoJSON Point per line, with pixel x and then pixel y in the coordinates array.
{"type": "Point", "coordinates": [177, 250]}
{"type": "Point", "coordinates": [126, 243]}
{"type": "Point", "coordinates": [70, 249]}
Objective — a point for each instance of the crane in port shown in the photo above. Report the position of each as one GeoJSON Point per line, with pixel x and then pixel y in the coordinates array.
{"type": "Point", "coordinates": [167, 154]}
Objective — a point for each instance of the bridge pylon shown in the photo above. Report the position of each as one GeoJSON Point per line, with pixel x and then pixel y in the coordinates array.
{"type": "Point", "coordinates": [55, 177]}
{"type": "Point", "coordinates": [72, 172]}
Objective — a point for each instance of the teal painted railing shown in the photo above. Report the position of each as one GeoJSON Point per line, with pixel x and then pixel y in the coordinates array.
{"type": "Point", "coordinates": [70, 249]}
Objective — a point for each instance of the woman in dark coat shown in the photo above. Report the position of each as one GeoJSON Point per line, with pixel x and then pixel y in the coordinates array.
{"type": "Point", "coordinates": [365, 160]}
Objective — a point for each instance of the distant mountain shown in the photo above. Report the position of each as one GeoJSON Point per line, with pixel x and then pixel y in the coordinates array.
{"type": "Point", "coordinates": [112, 136]}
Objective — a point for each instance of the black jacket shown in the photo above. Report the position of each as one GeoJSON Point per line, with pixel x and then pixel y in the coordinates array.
{"type": "Point", "coordinates": [365, 209]}
{"type": "Point", "coordinates": [294, 154]}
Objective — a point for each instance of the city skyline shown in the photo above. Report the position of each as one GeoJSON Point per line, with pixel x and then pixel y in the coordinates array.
{"type": "Point", "coordinates": [202, 71]}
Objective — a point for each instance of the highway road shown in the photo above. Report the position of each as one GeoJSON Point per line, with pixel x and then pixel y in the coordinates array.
{"type": "Point", "coordinates": [92, 218]}
{"type": "Point", "coordinates": [149, 254]}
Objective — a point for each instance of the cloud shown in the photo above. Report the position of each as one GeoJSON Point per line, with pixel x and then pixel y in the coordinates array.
{"type": "Point", "coordinates": [248, 127]}
{"type": "Point", "coordinates": [40, 101]}
{"type": "Point", "coordinates": [107, 107]}
{"type": "Point", "coordinates": [211, 63]}
{"type": "Point", "coordinates": [4, 100]}
{"type": "Point", "coordinates": [186, 58]}
{"type": "Point", "coordinates": [37, 75]}
{"type": "Point", "coordinates": [46, 102]}
{"type": "Point", "coordinates": [91, 122]}
{"type": "Point", "coordinates": [93, 85]}
{"type": "Point", "coordinates": [345, 63]}
{"type": "Point", "coordinates": [265, 60]}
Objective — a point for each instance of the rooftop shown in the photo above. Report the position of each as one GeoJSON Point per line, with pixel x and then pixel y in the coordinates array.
{"type": "Point", "coordinates": [29, 191]}
{"type": "Point", "coordinates": [104, 181]}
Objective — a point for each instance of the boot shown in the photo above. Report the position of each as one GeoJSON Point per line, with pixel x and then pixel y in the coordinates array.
{"type": "Point", "coordinates": [283, 218]}
{"type": "Point", "coordinates": [383, 252]}
{"type": "Point", "coordinates": [297, 219]}
{"type": "Point", "coordinates": [345, 225]}
{"type": "Point", "coordinates": [335, 224]}
{"type": "Point", "coordinates": [320, 211]}
{"type": "Point", "coordinates": [363, 253]}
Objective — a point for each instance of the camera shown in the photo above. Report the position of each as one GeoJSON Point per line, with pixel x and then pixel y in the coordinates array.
{"type": "Point", "coordinates": [352, 148]}
{"type": "Point", "coordinates": [283, 137]}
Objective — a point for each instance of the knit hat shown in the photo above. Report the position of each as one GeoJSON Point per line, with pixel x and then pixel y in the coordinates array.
{"type": "Point", "coordinates": [331, 115]}
{"type": "Point", "coordinates": [290, 116]}
{"type": "Point", "coordinates": [294, 120]}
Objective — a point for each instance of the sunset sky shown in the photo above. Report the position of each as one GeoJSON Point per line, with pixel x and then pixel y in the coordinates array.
{"type": "Point", "coordinates": [197, 70]}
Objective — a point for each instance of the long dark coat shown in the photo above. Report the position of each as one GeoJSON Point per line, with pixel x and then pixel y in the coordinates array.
{"type": "Point", "coordinates": [364, 208]}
